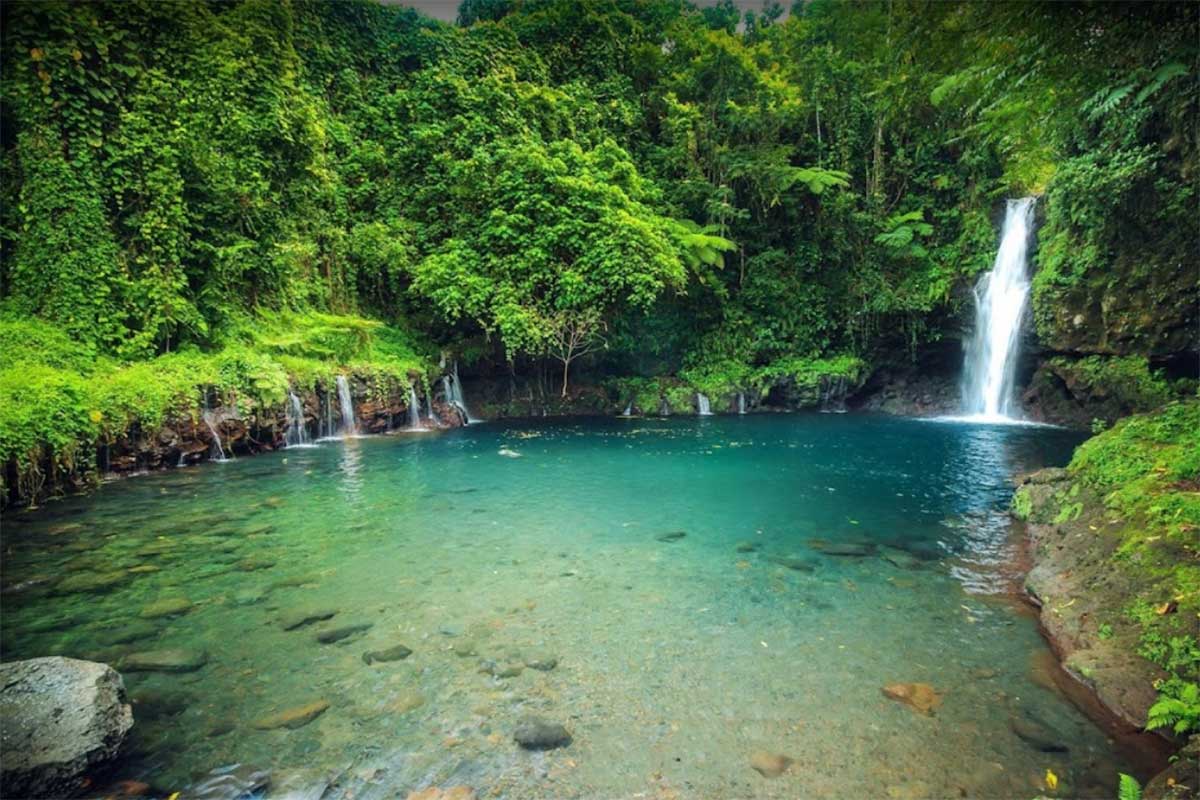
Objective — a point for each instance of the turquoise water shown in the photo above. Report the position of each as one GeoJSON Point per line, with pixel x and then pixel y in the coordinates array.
{"type": "Point", "coordinates": [677, 657]}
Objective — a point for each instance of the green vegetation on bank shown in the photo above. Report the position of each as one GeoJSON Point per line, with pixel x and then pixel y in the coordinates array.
{"type": "Point", "coordinates": [1146, 473]}
{"type": "Point", "coordinates": [59, 400]}
{"type": "Point", "coordinates": [1147, 468]}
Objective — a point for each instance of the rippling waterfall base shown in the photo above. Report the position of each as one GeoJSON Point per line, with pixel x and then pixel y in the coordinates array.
{"type": "Point", "coordinates": [751, 597]}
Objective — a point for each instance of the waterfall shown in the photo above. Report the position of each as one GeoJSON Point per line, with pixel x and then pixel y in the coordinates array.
{"type": "Point", "coordinates": [702, 407]}
{"type": "Point", "coordinates": [628, 412]}
{"type": "Point", "coordinates": [414, 409]}
{"type": "Point", "coordinates": [1000, 297]}
{"type": "Point", "coordinates": [215, 451]}
{"type": "Point", "coordinates": [349, 427]}
{"type": "Point", "coordinates": [452, 387]}
{"type": "Point", "coordinates": [297, 435]}
{"type": "Point", "coordinates": [429, 413]}
{"type": "Point", "coordinates": [325, 427]}
{"type": "Point", "coordinates": [741, 402]}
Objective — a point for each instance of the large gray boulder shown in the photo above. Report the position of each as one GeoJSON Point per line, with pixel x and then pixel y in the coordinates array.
{"type": "Point", "coordinates": [60, 718]}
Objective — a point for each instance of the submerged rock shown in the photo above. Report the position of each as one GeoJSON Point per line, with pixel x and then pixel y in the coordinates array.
{"type": "Point", "coordinates": [746, 547]}
{"type": "Point", "coordinates": [230, 783]}
{"type": "Point", "coordinates": [535, 733]}
{"type": "Point", "coordinates": [1036, 733]}
{"type": "Point", "coordinates": [344, 632]}
{"type": "Point", "coordinates": [89, 582]}
{"type": "Point", "coordinates": [300, 617]}
{"type": "Point", "coordinates": [543, 662]}
{"type": "Point", "coordinates": [397, 653]}
{"type": "Point", "coordinates": [853, 549]}
{"type": "Point", "coordinates": [899, 558]}
{"type": "Point", "coordinates": [133, 632]}
{"type": "Point", "coordinates": [769, 765]}
{"type": "Point", "coordinates": [171, 660]}
{"type": "Point", "coordinates": [792, 562]}
{"type": "Point", "coordinates": [292, 718]}
{"type": "Point", "coordinates": [62, 719]}
{"type": "Point", "coordinates": [449, 793]}
{"type": "Point", "coordinates": [919, 696]}
{"type": "Point", "coordinates": [166, 607]}
{"type": "Point", "coordinates": [672, 536]}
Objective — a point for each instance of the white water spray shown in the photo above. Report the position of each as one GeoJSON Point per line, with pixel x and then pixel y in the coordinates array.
{"type": "Point", "coordinates": [414, 409]}
{"type": "Point", "coordinates": [349, 426]}
{"type": "Point", "coordinates": [297, 435]}
{"type": "Point", "coordinates": [702, 406]}
{"type": "Point", "coordinates": [216, 452]}
{"type": "Point", "coordinates": [1000, 298]}
{"type": "Point", "coordinates": [452, 387]}
{"type": "Point", "coordinates": [741, 402]}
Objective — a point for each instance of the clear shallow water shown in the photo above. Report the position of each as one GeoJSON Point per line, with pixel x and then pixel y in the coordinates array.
{"type": "Point", "coordinates": [676, 659]}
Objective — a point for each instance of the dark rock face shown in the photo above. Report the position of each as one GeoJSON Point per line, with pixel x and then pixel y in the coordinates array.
{"type": "Point", "coordinates": [62, 719]}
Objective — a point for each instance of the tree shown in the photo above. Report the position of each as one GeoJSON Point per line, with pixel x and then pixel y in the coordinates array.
{"type": "Point", "coordinates": [574, 334]}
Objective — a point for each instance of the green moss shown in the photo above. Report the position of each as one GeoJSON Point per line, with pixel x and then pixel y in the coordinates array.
{"type": "Point", "coordinates": [1147, 469]}
{"type": "Point", "coordinates": [1022, 503]}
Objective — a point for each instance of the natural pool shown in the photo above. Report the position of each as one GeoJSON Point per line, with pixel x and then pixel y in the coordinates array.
{"type": "Point", "coordinates": [501, 545]}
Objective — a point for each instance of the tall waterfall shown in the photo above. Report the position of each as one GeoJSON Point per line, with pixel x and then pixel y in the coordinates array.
{"type": "Point", "coordinates": [414, 409]}
{"type": "Point", "coordinates": [296, 435]}
{"type": "Point", "coordinates": [1000, 297]}
{"type": "Point", "coordinates": [349, 426]}
{"type": "Point", "coordinates": [741, 402]}
{"type": "Point", "coordinates": [430, 414]}
{"type": "Point", "coordinates": [702, 407]}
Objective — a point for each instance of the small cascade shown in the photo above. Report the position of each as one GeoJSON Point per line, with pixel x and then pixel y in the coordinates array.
{"type": "Point", "coordinates": [833, 395]}
{"type": "Point", "coordinates": [741, 402]}
{"type": "Point", "coordinates": [349, 426]}
{"type": "Point", "coordinates": [297, 434]}
{"type": "Point", "coordinates": [628, 412]}
{"type": "Point", "coordinates": [1000, 298]}
{"type": "Point", "coordinates": [325, 428]}
{"type": "Point", "coordinates": [430, 414]}
{"type": "Point", "coordinates": [702, 406]}
{"type": "Point", "coordinates": [215, 451]}
{"type": "Point", "coordinates": [664, 408]}
{"type": "Point", "coordinates": [452, 387]}
{"type": "Point", "coordinates": [414, 409]}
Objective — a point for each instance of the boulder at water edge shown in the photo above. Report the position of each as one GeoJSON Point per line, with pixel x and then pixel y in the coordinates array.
{"type": "Point", "coordinates": [63, 718]}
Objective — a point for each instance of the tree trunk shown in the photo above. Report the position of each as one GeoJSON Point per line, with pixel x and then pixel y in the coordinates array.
{"type": "Point", "coordinates": [566, 366]}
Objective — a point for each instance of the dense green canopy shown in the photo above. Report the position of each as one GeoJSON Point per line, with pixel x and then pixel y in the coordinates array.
{"type": "Point", "coordinates": [709, 187]}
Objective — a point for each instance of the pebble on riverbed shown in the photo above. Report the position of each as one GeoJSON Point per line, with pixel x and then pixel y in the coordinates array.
{"type": "Point", "coordinates": [769, 765]}
{"type": "Point", "coordinates": [292, 718]}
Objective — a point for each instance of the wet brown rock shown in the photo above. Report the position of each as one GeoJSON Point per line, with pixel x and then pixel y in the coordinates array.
{"type": "Point", "coordinates": [292, 718]}
{"type": "Point", "coordinates": [919, 696]}
{"type": "Point", "coordinates": [769, 765]}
